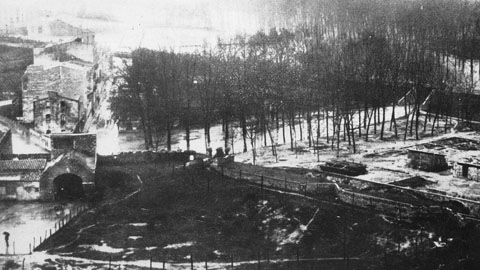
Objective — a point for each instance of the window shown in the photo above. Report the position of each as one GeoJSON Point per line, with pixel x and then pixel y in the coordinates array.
{"type": "Point", "coordinates": [47, 104]}
{"type": "Point", "coordinates": [49, 131]}
{"type": "Point", "coordinates": [62, 120]}
{"type": "Point", "coordinates": [48, 118]}
{"type": "Point", "coordinates": [63, 106]}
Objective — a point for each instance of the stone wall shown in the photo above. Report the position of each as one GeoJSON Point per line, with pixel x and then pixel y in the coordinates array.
{"type": "Point", "coordinates": [426, 161]}
{"type": "Point", "coordinates": [144, 157]}
{"type": "Point", "coordinates": [82, 143]}
{"type": "Point", "coordinates": [473, 172]}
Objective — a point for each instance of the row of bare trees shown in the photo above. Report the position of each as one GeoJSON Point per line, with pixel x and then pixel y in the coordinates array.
{"type": "Point", "coordinates": [340, 64]}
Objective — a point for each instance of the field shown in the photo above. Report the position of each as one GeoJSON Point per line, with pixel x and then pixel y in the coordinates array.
{"type": "Point", "coordinates": [182, 216]}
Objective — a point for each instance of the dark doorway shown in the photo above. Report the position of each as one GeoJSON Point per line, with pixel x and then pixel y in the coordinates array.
{"type": "Point", "coordinates": [68, 187]}
{"type": "Point", "coordinates": [464, 170]}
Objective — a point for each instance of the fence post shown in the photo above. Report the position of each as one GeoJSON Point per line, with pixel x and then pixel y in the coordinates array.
{"type": "Point", "coordinates": [206, 264]}
{"type": "Point", "coordinates": [298, 258]}
{"type": "Point", "coordinates": [150, 262]}
{"type": "Point", "coordinates": [261, 184]}
{"type": "Point", "coordinates": [163, 265]}
{"type": "Point", "coordinates": [231, 260]}
{"type": "Point", "coordinates": [191, 261]}
{"type": "Point", "coordinates": [13, 247]}
{"type": "Point", "coordinates": [109, 262]}
{"type": "Point", "coordinates": [34, 242]}
{"type": "Point", "coordinates": [50, 232]}
{"type": "Point", "coordinates": [30, 247]}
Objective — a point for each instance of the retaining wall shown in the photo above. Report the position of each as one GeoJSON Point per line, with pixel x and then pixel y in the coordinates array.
{"type": "Point", "coordinates": [140, 157]}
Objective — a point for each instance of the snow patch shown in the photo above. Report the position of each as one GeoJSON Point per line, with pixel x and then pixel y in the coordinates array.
{"type": "Point", "coordinates": [103, 248]}
{"type": "Point", "coordinates": [137, 224]}
{"type": "Point", "coordinates": [179, 245]}
{"type": "Point", "coordinates": [135, 237]}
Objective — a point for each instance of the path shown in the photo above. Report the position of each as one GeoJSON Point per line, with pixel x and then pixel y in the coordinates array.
{"type": "Point", "coordinates": [24, 221]}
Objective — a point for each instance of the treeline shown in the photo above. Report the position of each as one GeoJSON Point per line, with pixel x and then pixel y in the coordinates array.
{"type": "Point", "coordinates": [332, 62]}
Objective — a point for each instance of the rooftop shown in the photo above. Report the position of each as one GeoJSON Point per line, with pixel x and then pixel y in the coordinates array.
{"type": "Point", "coordinates": [22, 165]}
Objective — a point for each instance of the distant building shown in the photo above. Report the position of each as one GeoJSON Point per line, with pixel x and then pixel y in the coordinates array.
{"type": "Point", "coordinates": [54, 98]}
{"type": "Point", "coordinates": [20, 179]}
{"type": "Point", "coordinates": [426, 160]}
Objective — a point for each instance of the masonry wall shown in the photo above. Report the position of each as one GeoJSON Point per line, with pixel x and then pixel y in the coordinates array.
{"type": "Point", "coordinates": [71, 163]}
{"type": "Point", "coordinates": [473, 172]}
{"type": "Point", "coordinates": [143, 157]}
{"type": "Point", "coordinates": [427, 161]}
{"type": "Point", "coordinates": [83, 143]}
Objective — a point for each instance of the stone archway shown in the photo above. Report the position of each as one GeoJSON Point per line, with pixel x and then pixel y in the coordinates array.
{"type": "Point", "coordinates": [68, 186]}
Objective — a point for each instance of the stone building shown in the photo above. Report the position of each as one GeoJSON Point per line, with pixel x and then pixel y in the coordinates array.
{"type": "Point", "coordinates": [20, 179]}
{"type": "Point", "coordinates": [54, 97]}
{"type": "Point", "coordinates": [71, 173]}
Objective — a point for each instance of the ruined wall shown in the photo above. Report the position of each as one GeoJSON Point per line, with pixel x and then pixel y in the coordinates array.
{"type": "Point", "coordinates": [473, 172]}
{"type": "Point", "coordinates": [425, 161]}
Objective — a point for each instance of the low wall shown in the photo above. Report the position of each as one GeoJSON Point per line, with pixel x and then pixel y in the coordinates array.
{"type": "Point", "coordinates": [139, 157]}
{"type": "Point", "coordinates": [400, 209]}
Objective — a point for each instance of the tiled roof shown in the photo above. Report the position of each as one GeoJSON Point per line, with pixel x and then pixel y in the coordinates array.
{"type": "Point", "coordinates": [22, 165]}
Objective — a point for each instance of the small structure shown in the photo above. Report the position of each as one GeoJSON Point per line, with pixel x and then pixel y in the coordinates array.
{"type": "Point", "coordinates": [467, 170]}
{"type": "Point", "coordinates": [20, 179]}
{"type": "Point", "coordinates": [71, 173]}
{"type": "Point", "coordinates": [412, 182]}
{"type": "Point", "coordinates": [426, 160]}
{"type": "Point", "coordinates": [344, 167]}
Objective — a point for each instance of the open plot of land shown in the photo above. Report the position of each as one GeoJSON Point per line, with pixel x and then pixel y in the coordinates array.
{"type": "Point", "coordinates": [180, 213]}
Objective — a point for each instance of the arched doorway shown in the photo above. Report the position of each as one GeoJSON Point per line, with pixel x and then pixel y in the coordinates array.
{"type": "Point", "coordinates": [68, 186]}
